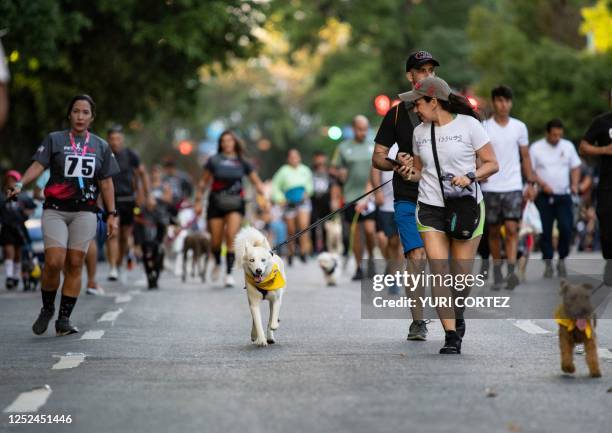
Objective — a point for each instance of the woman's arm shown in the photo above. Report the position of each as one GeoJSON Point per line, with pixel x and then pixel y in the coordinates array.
{"type": "Point", "coordinates": [201, 189]}
{"type": "Point", "coordinates": [32, 173]}
{"type": "Point", "coordinates": [108, 197]}
{"type": "Point", "coordinates": [256, 181]}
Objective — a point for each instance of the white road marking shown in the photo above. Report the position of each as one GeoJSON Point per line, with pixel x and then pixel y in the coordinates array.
{"type": "Point", "coordinates": [70, 360]}
{"type": "Point", "coordinates": [93, 335]}
{"type": "Point", "coordinates": [110, 316]}
{"type": "Point", "coordinates": [138, 292]}
{"type": "Point", "coordinates": [29, 401]}
{"type": "Point", "coordinates": [122, 299]}
{"type": "Point", "coordinates": [529, 327]}
{"type": "Point", "coordinates": [604, 353]}
{"type": "Point", "coordinates": [141, 283]}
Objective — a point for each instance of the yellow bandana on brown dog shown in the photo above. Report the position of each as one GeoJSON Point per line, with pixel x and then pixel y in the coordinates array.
{"type": "Point", "coordinates": [274, 281]}
{"type": "Point", "coordinates": [581, 324]}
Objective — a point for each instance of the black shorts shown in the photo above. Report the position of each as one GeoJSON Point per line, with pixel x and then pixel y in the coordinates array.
{"type": "Point", "coordinates": [215, 212]}
{"type": "Point", "coordinates": [385, 222]}
{"type": "Point", "coordinates": [349, 214]}
{"type": "Point", "coordinates": [10, 235]}
{"type": "Point", "coordinates": [125, 209]}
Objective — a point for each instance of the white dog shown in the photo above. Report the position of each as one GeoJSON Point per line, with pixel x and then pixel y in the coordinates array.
{"type": "Point", "coordinates": [264, 277]}
{"type": "Point", "coordinates": [330, 265]}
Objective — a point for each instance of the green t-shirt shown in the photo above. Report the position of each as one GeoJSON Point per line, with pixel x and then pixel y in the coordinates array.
{"type": "Point", "coordinates": [357, 159]}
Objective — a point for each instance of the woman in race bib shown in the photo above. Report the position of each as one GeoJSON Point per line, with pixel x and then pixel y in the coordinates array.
{"type": "Point", "coordinates": [224, 174]}
{"type": "Point", "coordinates": [446, 170]}
{"type": "Point", "coordinates": [81, 165]}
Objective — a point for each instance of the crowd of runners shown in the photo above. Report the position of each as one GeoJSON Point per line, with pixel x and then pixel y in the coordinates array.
{"type": "Point", "coordinates": [432, 153]}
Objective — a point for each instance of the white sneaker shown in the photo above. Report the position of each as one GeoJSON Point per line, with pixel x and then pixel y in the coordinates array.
{"type": "Point", "coordinates": [216, 273]}
{"type": "Point", "coordinates": [97, 291]}
{"type": "Point", "coordinates": [113, 275]}
{"type": "Point", "coordinates": [229, 281]}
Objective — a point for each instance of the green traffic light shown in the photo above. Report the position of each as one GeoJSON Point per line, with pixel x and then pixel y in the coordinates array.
{"type": "Point", "coordinates": [334, 132]}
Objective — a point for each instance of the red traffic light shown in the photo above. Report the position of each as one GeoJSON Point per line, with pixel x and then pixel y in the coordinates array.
{"type": "Point", "coordinates": [382, 103]}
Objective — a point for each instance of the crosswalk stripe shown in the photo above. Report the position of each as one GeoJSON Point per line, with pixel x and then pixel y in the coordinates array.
{"type": "Point", "coordinates": [529, 327]}
{"type": "Point", "coordinates": [110, 316]}
{"type": "Point", "coordinates": [93, 335]}
{"type": "Point", "coordinates": [70, 360]}
{"type": "Point", "coordinates": [29, 401]}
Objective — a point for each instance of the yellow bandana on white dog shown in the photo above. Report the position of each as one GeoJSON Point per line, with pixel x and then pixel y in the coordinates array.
{"type": "Point", "coordinates": [274, 281]}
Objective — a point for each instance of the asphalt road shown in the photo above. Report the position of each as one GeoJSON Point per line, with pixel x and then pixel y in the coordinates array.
{"type": "Point", "coordinates": [180, 359]}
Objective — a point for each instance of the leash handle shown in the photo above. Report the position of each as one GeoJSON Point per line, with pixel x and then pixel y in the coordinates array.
{"type": "Point", "coordinates": [328, 216]}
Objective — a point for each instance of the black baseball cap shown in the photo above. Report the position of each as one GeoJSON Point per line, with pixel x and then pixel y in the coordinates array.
{"type": "Point", "coordinates": [418, 59]}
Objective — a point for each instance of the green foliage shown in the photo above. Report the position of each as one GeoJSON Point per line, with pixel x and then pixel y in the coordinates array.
{"type": "Point", "coordinates": [133, 57]}
{"type": "Point", "coordinates": [549, 79]}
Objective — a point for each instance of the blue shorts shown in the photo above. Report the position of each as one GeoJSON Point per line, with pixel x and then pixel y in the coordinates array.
{"type": "Point", "coordinates": [406, 225]}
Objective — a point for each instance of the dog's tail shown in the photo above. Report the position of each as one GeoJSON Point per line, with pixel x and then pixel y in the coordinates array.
{"type": "Point", "coordinates": [248, 237]}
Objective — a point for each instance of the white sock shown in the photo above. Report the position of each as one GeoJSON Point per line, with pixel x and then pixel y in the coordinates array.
{"type": "Point", "coordinates": [9, 268]}
{"type": "Point", "coordinates": [17, 271]}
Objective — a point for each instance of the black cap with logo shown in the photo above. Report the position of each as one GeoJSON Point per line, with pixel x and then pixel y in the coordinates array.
{"type": "Point", "coordinates": [418, 59]}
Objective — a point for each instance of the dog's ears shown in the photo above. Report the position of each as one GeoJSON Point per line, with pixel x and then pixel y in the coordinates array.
{"type": "Point", "coordinates": [564, 287]}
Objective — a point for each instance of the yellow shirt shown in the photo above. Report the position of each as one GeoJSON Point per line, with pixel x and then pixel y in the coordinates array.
{"type": "Point", "coordinates": [570, 324]}
{"type": "Point", "coordinates": [274, 281]}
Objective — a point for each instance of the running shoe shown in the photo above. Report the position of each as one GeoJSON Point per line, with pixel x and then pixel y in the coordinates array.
{"type": "Point", "coordinates": [216, 273]}
{"type": "Point", "coordinates": [498, 279]}
{"type": "Point", "coordinates": [512, 281]}
{"type": "Point", "coordinates": [97, 291]}
{"type": "Point", "coordinates": [42, 322]}
{"type": "Point", "coordinates": [484, 269]}
{"type": "Point", "coordinates": [561, 269]}
{"type": "Point", "coordinates": [548, 270]}
{"type": "Point", "coordinates": [63, 326]}
{"type": "Point", "coordinates": [358, 275]}
{"type": "Point", "coordinates": [452, 344]}
{"type": "Point", "coordinates": [229, 281]}
{"type": "Point", "coordinates": [113, 275]}
{"type": "Point", "coordinates": [417, 331]}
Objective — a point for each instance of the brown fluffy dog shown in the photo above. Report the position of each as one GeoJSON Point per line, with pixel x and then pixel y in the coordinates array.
{"type": "Point", "coordinates": [199, 243]}
{"type": "Point", "coordinates": [577, 325]}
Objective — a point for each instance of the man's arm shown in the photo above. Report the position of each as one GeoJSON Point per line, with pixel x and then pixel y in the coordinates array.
{"type": "Point", "coordinates": [588, 149]}
{"type": "Point", "coordinates": [378, 158]}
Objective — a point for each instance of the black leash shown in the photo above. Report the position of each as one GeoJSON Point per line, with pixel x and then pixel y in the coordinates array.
{"type": "Point", "coordinates": [326, 217]}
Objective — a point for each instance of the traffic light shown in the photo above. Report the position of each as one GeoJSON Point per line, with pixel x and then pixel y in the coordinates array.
{"type": "Point", "coordinates": [334, 132]}
{"type": "Point", "coordinates": [185, 147]}
{"type": "Point", "coordinates": [382, 103]}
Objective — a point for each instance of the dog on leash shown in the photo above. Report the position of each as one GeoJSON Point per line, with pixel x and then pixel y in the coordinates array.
{"type": "Point", "coordinates": [265, 279]}
{"type": "Point", "coordinates": [330, 265]}
{"type": "Point", "coordinates": [577, 321]}
{"type": "Point", "coordinates": [199, 244]}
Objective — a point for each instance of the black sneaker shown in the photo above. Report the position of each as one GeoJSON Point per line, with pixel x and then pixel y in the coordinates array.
{"type": "Point", "coordinates": [9, 284]}
{"type": "Point", "coordinates": [498, 278]}
{"type": "Point", "coordinates": [460, 327]}
{"type": "Point", "coordinates": [452, 344]}
{"type": "Point", "coordinates": [484, 269]}
{"type": "Point", "coordinates": [42, 322]}
{"type": "Point", "coordinates": [358, 275]}
{"type": "Point", "coordinates": [417, 331]}
{"type": "Point", "coordinates": [512, 281]}
{"type": "Point", "coordinates": [63, 326]}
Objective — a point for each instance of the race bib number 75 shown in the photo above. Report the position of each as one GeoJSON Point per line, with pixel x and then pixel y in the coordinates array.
{"type": "Point", "coordinates": [79, 166]}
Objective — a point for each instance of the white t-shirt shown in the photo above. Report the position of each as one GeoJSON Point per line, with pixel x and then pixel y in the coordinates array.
{"type": "Point", "coordinates": [388, 188]}
{"type": "Point", "coordinates": [457, 143]}
{"type": "Point", "coordinates": [506, 141]}
{"type": "Point", "coordinates": [554, 163]}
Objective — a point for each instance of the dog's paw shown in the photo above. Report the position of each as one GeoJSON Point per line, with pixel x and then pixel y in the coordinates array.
{"type": "Point", "coordinates": [568, 368]}
{"type": "Point", "coordinates": [271, 340]}
{"type": "Point", "coordinates": [596, 373]}
{"type": "Point", "coordinates": [274, 326]}
{"type": "Point", "coordinates": [261, 342]}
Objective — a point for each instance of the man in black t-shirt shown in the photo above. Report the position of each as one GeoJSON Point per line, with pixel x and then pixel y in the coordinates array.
{"type": "Point", "coordinates": [597, 141]}
{"type": "Point", "coordinates": [132, 174]}
{"type": "Point", "coordinates": [397, 127]}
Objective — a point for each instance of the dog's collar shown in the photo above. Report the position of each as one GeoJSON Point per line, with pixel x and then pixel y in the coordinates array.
{"type": "Point", "coordinates": [331, 271]}
{"type": "Point", "coordinates": [570, 324]}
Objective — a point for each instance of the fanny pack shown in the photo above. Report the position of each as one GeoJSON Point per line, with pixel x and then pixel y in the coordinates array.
{"type": "Point", "coordinates": [295, 196]}
{"type": "Point", "coordinates": [228, 202]}
{"type": "Point", "coordinates": [461, 213]}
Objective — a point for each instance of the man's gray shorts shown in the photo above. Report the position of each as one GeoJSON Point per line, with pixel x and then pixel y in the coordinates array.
{"type": "Point", "coordinates": [502, 206]}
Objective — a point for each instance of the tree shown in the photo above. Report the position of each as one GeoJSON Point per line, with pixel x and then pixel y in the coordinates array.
{"type": "Point", "coordinates": [133, 56]}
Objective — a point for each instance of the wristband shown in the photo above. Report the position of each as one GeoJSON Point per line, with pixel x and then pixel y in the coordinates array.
{"type": "Point", "coordinates": [19, 185]}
